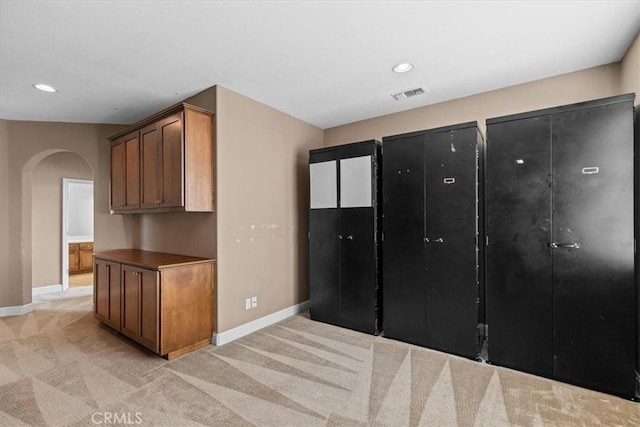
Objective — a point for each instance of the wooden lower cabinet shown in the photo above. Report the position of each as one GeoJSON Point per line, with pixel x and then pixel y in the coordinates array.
{"type": "Point", "coordinates": [85, 257]}
{"type": "Point", "coordinates": [165, 301]}
{"type": "Point", "coordinates": [140, 301]}
{"type": "Point", "coordinates": [106, 292]}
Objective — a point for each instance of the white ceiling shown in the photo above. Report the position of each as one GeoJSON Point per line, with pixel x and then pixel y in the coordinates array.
{"type": "Point", "coordinates": [325, 62]}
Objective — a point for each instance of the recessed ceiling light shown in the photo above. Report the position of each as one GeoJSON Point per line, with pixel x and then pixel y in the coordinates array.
{"type": "Point", "coordinates": [45, 88]}
{"type": "Point", "coordinates": [403, 67]}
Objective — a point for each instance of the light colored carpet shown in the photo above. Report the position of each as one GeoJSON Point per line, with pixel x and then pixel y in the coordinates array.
{"type": "Point", "coordinates": [59, 366]}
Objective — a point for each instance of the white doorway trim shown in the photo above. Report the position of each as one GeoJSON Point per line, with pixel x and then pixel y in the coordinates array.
{"type": "Point", "coordinates": [65, 226]}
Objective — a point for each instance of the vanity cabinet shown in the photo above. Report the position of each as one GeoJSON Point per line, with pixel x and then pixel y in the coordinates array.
{"type": "Point", "coordinates": [164, 163]}
{"type": "Point", "coordinates": [80, 257]}
{"type": "Point", "coordinates": [162, 301]}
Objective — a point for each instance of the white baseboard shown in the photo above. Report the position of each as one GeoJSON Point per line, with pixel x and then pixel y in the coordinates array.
{"type": "Point", "coordinates": [46, 289]}
{"type": "Point", "coordinates": [255, 325]}
{"type": "Point", "coordinates": [17, 310]}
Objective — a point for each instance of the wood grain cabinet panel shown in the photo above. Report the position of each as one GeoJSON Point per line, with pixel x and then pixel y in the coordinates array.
{"type": "Point", "coordinates": [85, 256]}
{"type": "Point", "coordinates": [149, 294]}
{"type": "Point", "coordinates": [166, 301]}
{"type": "Point", "coordinates": [80, 257]}
{"type": "Point", "coordinates": [172, 179]}
{"type": "Point", "coordinates": [176, 162]}
{"type": "Point", "coordinates": [151, 165]}
{"type": "Point", "coordinates": [117, 189]}
{"type": "Point", "coordinates": [125, 172]}
{"type": "Point", "coordinates": [107, 292]}
{"type": "Point", "coordinates": [130, 303]}
{"type": "Point", "coordinates": [74, 256]}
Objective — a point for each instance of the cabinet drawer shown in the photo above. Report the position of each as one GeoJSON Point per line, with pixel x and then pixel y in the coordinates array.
{"type": "Point", "coordinates": [73, 247]}
{"type": "Point", "coordinates": [86, 246]}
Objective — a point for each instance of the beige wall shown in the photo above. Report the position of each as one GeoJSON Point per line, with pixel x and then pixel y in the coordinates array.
{"type": "Point", "coordinates": [4, 211]}
{"type": "Point", "coordinates": [46, 214]}
{"type": "Point", "coordinates": [258, 233]}
{"type": "Point", "coordinates": [630, 70]}
{"type": "Point", "coordinates": [262, 187]}
{"type": "Point", "coordinates": [593, 83]}
{"type": "Point", "coordinates": [28, 144]}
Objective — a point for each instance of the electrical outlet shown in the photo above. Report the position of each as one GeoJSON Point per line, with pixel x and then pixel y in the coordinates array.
{"type": "Point", "coordinates": [247, 304]}
{"type": "Point", "coordinates": [254, 302]}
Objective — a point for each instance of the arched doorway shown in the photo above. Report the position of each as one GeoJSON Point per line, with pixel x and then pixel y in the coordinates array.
{"type": "Point", "coordinates": [41, 216]}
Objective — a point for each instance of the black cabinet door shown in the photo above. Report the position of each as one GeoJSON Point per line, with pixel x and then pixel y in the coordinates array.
{"type": "Point", "coordinates": [324, 265]}
{"type": "Point", "coordinates": [324, 230]}
{"type": "Point", "coordinates": [404, 294]}
{"type": "Point", "coordinates": [358, 269]}
{"type": "Point", "coordinates": [593, 264]}
{"type": "Point", "coordinates": [518, 257]}
{"type": "Point", "coordinates": [450, 244]}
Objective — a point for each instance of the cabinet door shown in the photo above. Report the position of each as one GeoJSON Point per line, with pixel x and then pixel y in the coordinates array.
{"type": "Point", "coordinates": [170, 130]}
{"type": "Point", "coordinates": [149, 303]}
{"type": "Point", "coordinates": [117, 175]}
{"type": "Point", "coordinates": [358, 269]}
{"type": "Point", "coordinates": [450, 249]}
{"type": "Point", "coordinates": [404, 294]}
{"type": "Point", "coordinates": [151, 165]}
{"type": "Point", "coordinates": [73, 258]}
{"type": "Point", "coordinates": [358, 257]}
{"type": "Point", "coordinates": [85, 256]}
{"type": "Point", "coordinates": [86, 260]}
{"type": "Point", "coordinates": [107, 292]}
{"type": "Point", "coordinates": [132, 171]}
{"type": "Point", "coordinates": [324, 243]}
{"type": "Point", "coordinates": [101, 290]}
{"type": "Point", "coordinates": [593, 261]}
{"type": "Point", "coordinates": [125, 173]}
{"type": "Point", "coordinates": [130, 301]}
{"type": "Point", "coordinates": [518, 257]}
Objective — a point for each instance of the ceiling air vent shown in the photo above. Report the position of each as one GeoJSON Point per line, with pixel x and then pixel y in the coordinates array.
{"type": "Point", "coordinates": [409, 93]}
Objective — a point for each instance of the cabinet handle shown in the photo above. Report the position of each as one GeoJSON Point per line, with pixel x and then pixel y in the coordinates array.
{"type": "Point", "coordinates": [438, 240]}
{"type": "Point", "coordinates": [555, 245]}
{"type": "Point", "coordinates": [350, 237]}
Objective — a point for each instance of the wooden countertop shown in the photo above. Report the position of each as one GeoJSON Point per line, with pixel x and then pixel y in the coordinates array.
{"type": "Point", "coordinates": [148, 259]}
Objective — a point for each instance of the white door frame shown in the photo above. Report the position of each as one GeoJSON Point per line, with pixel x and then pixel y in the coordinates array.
{"type": "Point", "coordinates": [65, 227]}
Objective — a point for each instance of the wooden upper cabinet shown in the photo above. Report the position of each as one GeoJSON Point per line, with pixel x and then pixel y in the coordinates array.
{"type": "Point", "coordinates": [151, 154]}
{"type": "Point", "coordinates": [170, 130]}
{"type": "Point", "coordinates": [125, 173]}
{"type": "Point", "coordinates": [117, 175]}
{"type": "Point", "coordinates": [176, 163]}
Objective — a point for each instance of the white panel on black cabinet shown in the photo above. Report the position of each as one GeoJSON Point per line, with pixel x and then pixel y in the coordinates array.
{"type": "Point", "coordinates": [324, 185]}
{"type": "Point", "coordinates": [355, 182]}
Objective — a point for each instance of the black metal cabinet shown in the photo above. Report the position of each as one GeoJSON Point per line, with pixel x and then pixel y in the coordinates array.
{"type": "Point", "coordinates": [518, 256]}
{"type": "Point", "coordinates": [430, 262]}
{"type": "Point", "coordinates": [343, 236]}
{"type": "Point", "coordinates": [404, 294]}
{"type": "Point", "coordinates": [560, 257]}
